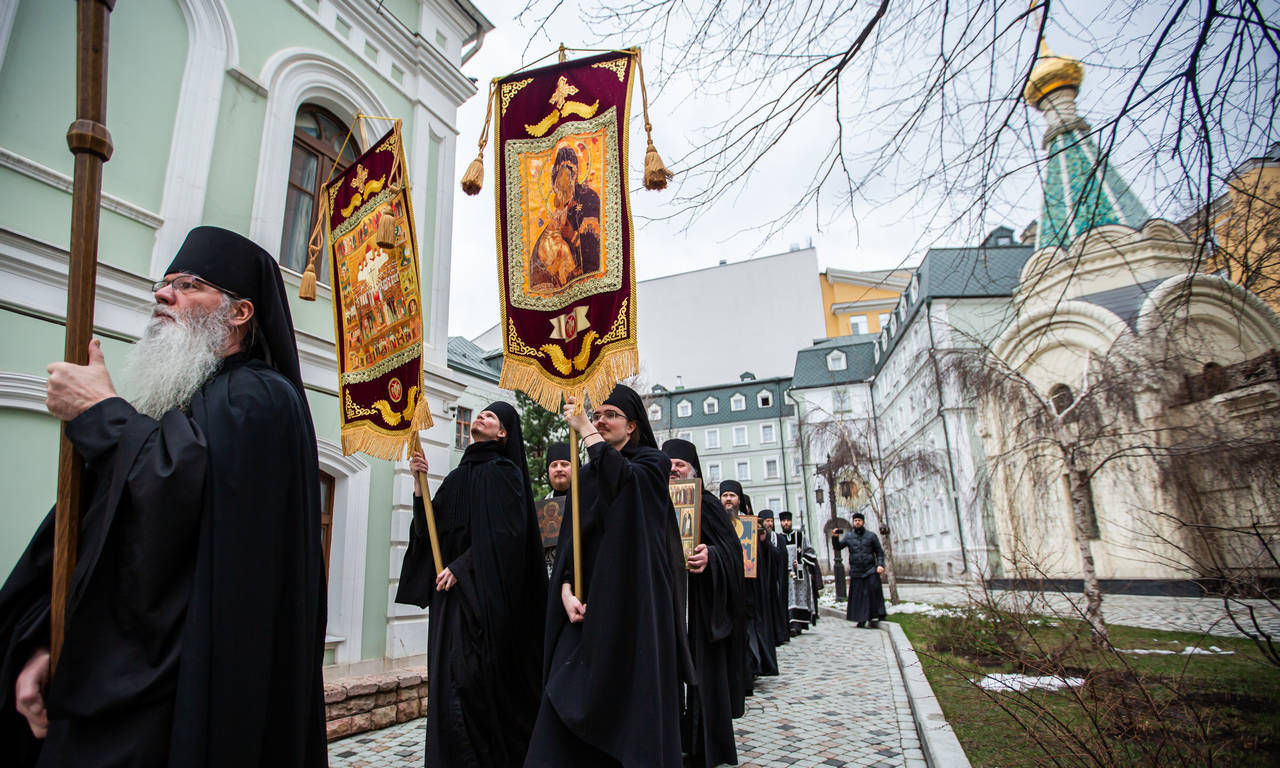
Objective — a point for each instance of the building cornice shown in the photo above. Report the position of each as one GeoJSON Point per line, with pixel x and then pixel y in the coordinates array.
{"type": "Point", "coordinates": [25, 166]}
{"type": "Point", "coordinates": [23, 392]}
{"type": "Point", "coordinates": [888, 280]}
{"type": "Point", "coordinates": [869, 305]}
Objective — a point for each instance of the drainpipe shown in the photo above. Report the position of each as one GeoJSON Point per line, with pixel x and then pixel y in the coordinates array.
{"type": "Point", "coordinates": [782, 441]}
{"type": "Point", "coordinates": [951, 469]}
{"type": "Point", "coordinates": [804, 460]}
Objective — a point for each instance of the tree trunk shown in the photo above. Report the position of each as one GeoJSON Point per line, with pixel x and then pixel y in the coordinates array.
{"type": "Point", "coordinates": [888, 566]}
{"type": "Point", "coordinates": [1081, 514]}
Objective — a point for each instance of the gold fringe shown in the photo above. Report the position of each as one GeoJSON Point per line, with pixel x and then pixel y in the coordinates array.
{"type": "Point", "coordinates": [364, 439]}
{"type": "Point", "coordinates": [529, 377]}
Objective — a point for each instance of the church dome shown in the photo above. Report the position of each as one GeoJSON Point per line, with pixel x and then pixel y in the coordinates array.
{"type": "Point", "coordinates": [1050, 74]}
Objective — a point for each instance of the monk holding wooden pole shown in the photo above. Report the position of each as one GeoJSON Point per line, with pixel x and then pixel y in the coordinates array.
{"type": "Point", "coordinates": [90, 142]}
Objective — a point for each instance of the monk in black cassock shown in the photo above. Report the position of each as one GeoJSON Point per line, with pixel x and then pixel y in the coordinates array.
{"type": "Point", "coordinates": [717, 624]}
{"type": "Point", "coordinates": [559, 477]}
{"type": "Point", "coordinates": [761, 648]}
{"type": "Point", "coordinates": [195, 631]}
{"type": "Point", "coordinates": [771, 547]}
{"type": "Point", "coordinates": [484, 641]}
{"type": "Point", "coordinates": [614, 662]}
{"type": "Point", "coordinates": [866, 563]}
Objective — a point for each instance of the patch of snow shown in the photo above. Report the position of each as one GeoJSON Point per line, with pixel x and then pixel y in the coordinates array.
{"type": "Point", "coordinates": [921, 608]}
{"type": "Point", "coordinates": [1212, 650]}
{"type": "Point", "coordinates": [1003, 681]}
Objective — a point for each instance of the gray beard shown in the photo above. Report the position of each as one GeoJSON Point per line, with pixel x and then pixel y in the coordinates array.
{"type": "Point", "coordinates": [173, 359]}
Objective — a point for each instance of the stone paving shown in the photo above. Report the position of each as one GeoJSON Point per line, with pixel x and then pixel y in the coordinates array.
{"type": "Point", "coordinates": [1186, 614]}
{"type": "Point", "coordinates": [840, 701]}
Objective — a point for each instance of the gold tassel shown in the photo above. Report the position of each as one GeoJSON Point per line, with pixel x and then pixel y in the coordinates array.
{"type": "Point", "coordinates": [656, 174]}
{"type": "Point", "coordinates": [307, 288]}
{"type": "Point", "coordinates": [655, 171]}
{"type": "Point", "coordinates": [386, 237]}
{"type": "Point", "coordinates": [473, 179]}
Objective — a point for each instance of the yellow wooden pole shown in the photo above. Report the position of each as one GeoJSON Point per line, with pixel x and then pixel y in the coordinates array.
{"type": "Point", "coordinates": [576, 512]}
{"type": "Point", "coordinates": [416, 446]}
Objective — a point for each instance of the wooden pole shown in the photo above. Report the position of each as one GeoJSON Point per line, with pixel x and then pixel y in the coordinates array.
{"type": "Point", "coordinates": [416, 446]}
{"type": "Point", "coordinates": [89, 141]}
{"type": "Point", "coordinates": [576, 512]}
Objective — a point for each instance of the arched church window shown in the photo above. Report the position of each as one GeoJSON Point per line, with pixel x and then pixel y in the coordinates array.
{"type": "Point", "coordinates": [318, 137]}
{"type": "Point", "coordinates": [1062, 397]}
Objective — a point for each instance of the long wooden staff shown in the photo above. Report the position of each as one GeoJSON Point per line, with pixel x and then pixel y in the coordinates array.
{"type": "Point", "coordinates": [573, 506]}
{"type": "Point", "coordinates": [89, 141]}
{"type": "Point", "coordinates": [416, 445]}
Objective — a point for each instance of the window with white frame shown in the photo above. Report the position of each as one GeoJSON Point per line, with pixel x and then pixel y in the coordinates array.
{"type": "Point", "coordinates": [799, 510]}
{"type": "Point", "coordinates": [743, 469]}
{"type": "Point", "coordinates": [764, 398]}
{"type": "Point", "coordinates": [884, 320]}
{"type": "Point", "coordinates": [711, 439]}
{"type": "Point", "coordinates": [767, 433]}
{"type": "Point", "coordinates": [713, 473]}
{"type": "Point", "coordinates": [655, 412]}
{"type": "Point", "coordinates": [792, 431]}
{"type": "Point", "coordinates": [857, 324]}
{"type": "Point", "coordinates": [836, 360]}
{"type": "Point", "coordinates": [685, 436]}
{"type": "Point", "coordinates": [737, 402]}
{"type": "Point", "coordinates": [740, 436]}
{"type": "Point", "coordinates": [710, 405]}
{"type": "Point", "coordinates": [775, 503]}
{"type": "Point", "coordinates": [795, 466]}
{"type": "Point", "coordinates": [684, 409]}
{"type": "Point", "coordinates": [840, 400]}
{"type": "Point", "coordinates": [770, 469]}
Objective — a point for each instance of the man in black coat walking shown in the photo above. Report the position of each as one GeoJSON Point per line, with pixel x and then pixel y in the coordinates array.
{"type": "Point", "coordinates": [866, 563]}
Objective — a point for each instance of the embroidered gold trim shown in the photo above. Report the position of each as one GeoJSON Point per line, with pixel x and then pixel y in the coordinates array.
{"type": "Point", "coordinates": [389, 145]}
{"type": "Point", "coordinates": [362, 173]}
{"type": "Point", "coordinates": [369, 207]}
{"type": "Point", "coordinates": [378, 369]}
{"type": "Point", "coordinates": [354, 410]}
{"type": "Point", "coordinates": [619, 67]}
{"type": "Point", "coordinates": [517, 345]}
{"type": "Point", "coordinates": [619, 329]}
{"type": "Point", "coordinates": [509, 91]}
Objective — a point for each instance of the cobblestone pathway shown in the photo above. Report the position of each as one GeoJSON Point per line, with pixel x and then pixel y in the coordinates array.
{"type": "Point", "coordinates": [813, 715]}
{"type": "Point", "coordinates": [1185, 614]}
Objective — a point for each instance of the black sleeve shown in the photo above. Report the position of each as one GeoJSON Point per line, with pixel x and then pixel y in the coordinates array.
{"type": "Point", "coordinates": [418, 571]}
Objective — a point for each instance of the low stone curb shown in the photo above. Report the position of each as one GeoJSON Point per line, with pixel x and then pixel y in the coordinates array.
{"type": "Point", "coordinates": [941, 747]}
{"type": "Point", "coordinates": [370, 702]}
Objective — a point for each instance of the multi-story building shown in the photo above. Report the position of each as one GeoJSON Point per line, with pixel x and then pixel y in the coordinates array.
{"type": "Point", "coordinates": [478, 371]}
{"type": "Point", "coordinates": [696, 325]}
{"type": "Point", "coordinates": [745, 431]}
{"type": "Point", "coordinates": [860, 302]}
{"type": "Point", "coordinates": [231, 112]}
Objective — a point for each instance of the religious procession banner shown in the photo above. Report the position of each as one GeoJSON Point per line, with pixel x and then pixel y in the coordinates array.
{"type": "Point", "coordinates": [686, 499]}
{"type": "Point", "coordinates": [745, 526]}
{"type": "Point", "coordinates": [369, 239]}
{"type": "Point", "coordinates": [565, 262]}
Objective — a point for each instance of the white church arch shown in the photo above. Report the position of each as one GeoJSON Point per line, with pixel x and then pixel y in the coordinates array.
{"type": "Point", "coordinates": [1214, 305]}
{"type": "Point", "coordinates": [294, 76]}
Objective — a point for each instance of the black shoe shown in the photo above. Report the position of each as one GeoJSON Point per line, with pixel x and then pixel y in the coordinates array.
{"type": "Point", "coordinates": [861, 624]}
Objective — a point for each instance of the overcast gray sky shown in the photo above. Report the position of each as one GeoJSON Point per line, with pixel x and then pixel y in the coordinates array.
{"type": "Point", "coordinates": [881, 235]}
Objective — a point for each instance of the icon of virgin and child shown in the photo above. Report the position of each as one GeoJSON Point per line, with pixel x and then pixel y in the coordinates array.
{"type": "Point", "coordinates": [569, 245]}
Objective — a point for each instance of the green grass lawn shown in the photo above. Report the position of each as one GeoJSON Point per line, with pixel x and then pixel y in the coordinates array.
{"type": "Point", "coordinates": [1134, 710]}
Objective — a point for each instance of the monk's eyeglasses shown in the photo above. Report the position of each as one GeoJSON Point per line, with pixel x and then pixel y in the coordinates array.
{"type": "Point", "coordinates": [599, 415]}
{"type": "Point", "coordinates": [189, 284]}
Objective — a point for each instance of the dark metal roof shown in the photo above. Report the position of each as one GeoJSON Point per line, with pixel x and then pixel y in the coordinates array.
{"type": "Point", "coordinates": [779, 407]}
{"type": "Point", "coordinates": [466, 357]}
{"type": "Point", "coordinates": [811, 363]}
{"type": "Point", "coordinates": [1125, 302]}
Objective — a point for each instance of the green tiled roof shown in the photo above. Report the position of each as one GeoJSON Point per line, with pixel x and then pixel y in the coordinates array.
{"type": "Point", "coordinates": [1074, 200]}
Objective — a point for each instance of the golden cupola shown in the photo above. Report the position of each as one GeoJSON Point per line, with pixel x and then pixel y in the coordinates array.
{"type": "Point", "coordinates": [1050, 74]}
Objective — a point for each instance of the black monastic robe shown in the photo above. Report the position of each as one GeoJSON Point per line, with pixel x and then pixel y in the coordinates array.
{"type": "Point", "coordinates": [197, 608]}
{"type": "Point", "coordinates": [717, 637]}
{"type": "Point", "coordinates": [484, 643]}
{"type": "Point", "coordinates": [781, 584]}
{"type": "Point", "coordinates": [760, 596]}
{"type": "Point", "coordinates": [612, 694]}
